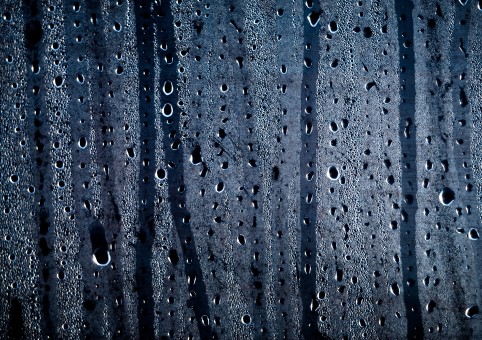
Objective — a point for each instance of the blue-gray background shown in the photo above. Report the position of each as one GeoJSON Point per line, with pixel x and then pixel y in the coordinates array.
{"type": "Point", "coordinates": [240, 169]}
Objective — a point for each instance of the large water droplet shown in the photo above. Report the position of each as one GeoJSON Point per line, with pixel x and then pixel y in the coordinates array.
{"type": "Point", "coordinates": [167, 110]}
{"type": "Point", "coordinates": [473, 234]}
{"type": "Point", "coordinates": [430, 306]}
{"type": "Point", "coordinates": [246, 319]}
{"type": "Point", "coordinates": [314, 18]}
{"type": "Point", "coordinates": [333, 26]}
{"type": "Point", "coordinates": [196, 157]}
{"type": "Point", "coordinates": [471, 311]}
{"type": "Point", "coordinates": [205, 320]}
{"type": "Point", "coordinates": [333, 173]}
{"type": "Point", "coordinates": [101, 257]}
{"type": "Point", "coordinates": [173, 257]}
{"type": "Point", "coordinates": [446, 196]}
{"type": "Point", "coordinates": [58, 81]}
{"type": "Point", "coordinates": [167, 88]}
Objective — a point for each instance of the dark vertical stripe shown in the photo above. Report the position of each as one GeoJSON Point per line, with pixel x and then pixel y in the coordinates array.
{"type": "Point", "coordinates": [79, 175]}
{"type": "Point", "coordinates": [311, 47]}
{"type": "Point", "coordinates": [462, 123]}
{"type": "Point", "coordinates": [39, 132]}
{"type": "Point", "coordinates": [408, 141]}
{"type": "Point", "coordinates": [146, 231]}
{"type": "Point", "coordinates": [175, 168]}
{"type": "Point", "coordinates": [107, 156]}
{"type": "Point", "coordinates": [16, 328]}
{"type": "Point", "coordinates": [245, 119]}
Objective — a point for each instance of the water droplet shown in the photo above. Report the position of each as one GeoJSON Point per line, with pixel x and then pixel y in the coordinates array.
{"type": "Point", "coordinates": [471, 311]}
{"type": "Point", "coordinates": [167, 110]}
{"type": "Point", "coordinates": [332, 173]}
{"type": "Point", "coordinates": [473, 234]}
{"type": "Point", "coordinates": [369, 85]}
{"type": "Point", "coordinates": [167, 88]}
{"type": "Point", "coordinates": [446, 196]}
{"type": "Point", "coordinates": [35, 67]}
{"type": "Point", "coordinates": [239, 61]}
{"type": "Point", "coordinates": [173, 257]}
{"type": "Point", "coordinates": [463, 101]}
{"type": "Point", "coordinates": [101, 257]}
{"type": "Point", "coordinates": [394, 289]}
{"type": "Point", "coordinates": [196, 155]}
{"type": "Point", "coordinates": [333, 127]}
{"type": "Point", "coordinates": [367, 32]}
{"type": "Point", "coordinates": [314, 18]}
{"type": "Point", "coordinates": [130, 152]}
{"type": "Point", "coordinates": [161, 174]}
{"type": "Point", "coordinates": [333, 26]}
{"type": "Point", "coordinates": [205, 320]}
{"type": "Point", "coordinates": [220, 187]}
{"type": "Point", "coordinates": [7, 16]}
{"type": "Point", "coordinates": [82, 142]}
{"type": "Point", "coordinates": [246, 319]}
{"type": "Point", "coordinates": [430, 306]}
{"type": "Point", "coordinates": [58, 81]}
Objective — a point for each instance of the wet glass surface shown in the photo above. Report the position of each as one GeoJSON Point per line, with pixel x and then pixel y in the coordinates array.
{"type": "Point", "coordinates": [240, 169]}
